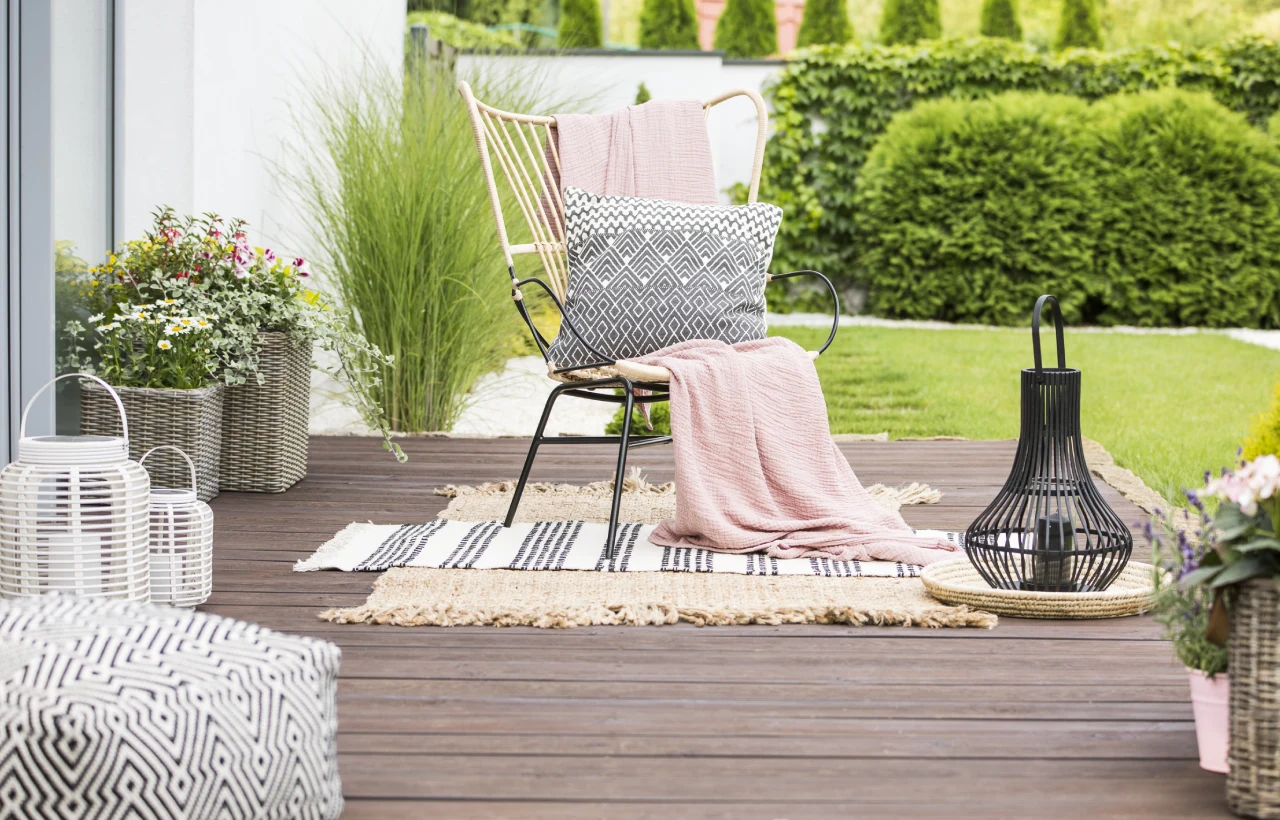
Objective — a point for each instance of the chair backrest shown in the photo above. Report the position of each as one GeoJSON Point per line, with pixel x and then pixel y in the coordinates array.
{"type": "Point", "coordinates": [517, 142]}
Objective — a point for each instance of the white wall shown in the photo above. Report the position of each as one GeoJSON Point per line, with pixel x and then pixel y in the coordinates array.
{"type": "Point", "coordinates": [604, 82]}
{"type": "Point", "coordinates": [210, 93]}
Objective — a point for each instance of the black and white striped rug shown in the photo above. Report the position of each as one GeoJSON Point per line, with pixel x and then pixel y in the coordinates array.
{"type": "Point", "coordinates": [561, 545]}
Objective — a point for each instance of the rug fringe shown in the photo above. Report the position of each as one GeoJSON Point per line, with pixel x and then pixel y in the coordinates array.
{"type": "Point", "coordinates": [319, 559]}
{"type": "Point", "coordinates": [655, 614]}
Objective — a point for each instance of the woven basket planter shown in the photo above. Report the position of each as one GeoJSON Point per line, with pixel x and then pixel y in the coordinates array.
{"type": "Point", "coordinates": [264, 426]}
{"type": "Point", "coordinates": [1253, 657]}
{"type": "Point", "coordinates": [189, 419]}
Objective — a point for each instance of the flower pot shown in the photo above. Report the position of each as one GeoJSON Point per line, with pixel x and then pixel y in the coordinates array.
{"type": "Point", "coordinates": [1253, 656]}
{"type": "Point", "coordinates": [264, 426]}
{"type": "Point", "coordinates": [1209, 700]}
{"type": "Point", "coordinates": [188, 419]}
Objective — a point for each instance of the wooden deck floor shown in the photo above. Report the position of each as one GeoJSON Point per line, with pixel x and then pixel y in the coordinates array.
{"type": "Point", "coordinates": [1030, 720]}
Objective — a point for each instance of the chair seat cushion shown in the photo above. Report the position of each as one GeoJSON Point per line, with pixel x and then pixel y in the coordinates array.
{"type": "Point", "coordinates": [645, 274]}
{"type": "Point", "coordinates": [114, 709]}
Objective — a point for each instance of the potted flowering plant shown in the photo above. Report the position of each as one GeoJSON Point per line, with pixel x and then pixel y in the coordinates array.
{"type": "Point", "coordinates": [160, 359]}
{"type": "Point", "coordinates": [1184, 611]}
{"type": "Point", "coordinates": [1242, 572]}
{"type": "Point", "coordinates": [268, 322]}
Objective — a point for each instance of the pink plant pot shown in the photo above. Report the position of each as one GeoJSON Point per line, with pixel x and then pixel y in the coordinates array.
{"type": "Point", "coordinates": [1209, 700]}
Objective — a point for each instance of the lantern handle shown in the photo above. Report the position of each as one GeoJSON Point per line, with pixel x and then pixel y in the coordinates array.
{"type": "Point", "coordinates": [124, 419]}
{"type": "Point", "coordinates": [1035, 332]}
{"type": "Point", "coordinates": [191, 464]}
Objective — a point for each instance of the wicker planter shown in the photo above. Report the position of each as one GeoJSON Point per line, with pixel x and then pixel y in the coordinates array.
{"type": "Point", "coordinates": [264, 426]}
{"type": "Point", "coordinates": [189, 419]}
{"type": "Point", "coordinates": [1253, 656]}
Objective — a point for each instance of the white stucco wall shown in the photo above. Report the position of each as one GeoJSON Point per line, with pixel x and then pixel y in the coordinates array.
{"type": "Point", "coordinates": [604, 82]}
{"type": "Point", "coordinates": [204, 98]}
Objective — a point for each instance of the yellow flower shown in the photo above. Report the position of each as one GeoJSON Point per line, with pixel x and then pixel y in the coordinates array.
{"type": "Point", "coordinates": [94, 283]}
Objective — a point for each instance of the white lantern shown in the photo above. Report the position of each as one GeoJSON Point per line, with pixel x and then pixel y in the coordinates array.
{"type": "Point", "coordinates": [181, 542]}
{"type": "Point", "coordinates": [73, 515]}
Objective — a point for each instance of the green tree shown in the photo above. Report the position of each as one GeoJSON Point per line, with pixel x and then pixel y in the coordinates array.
{"type": "Point", "coordinates": [642, 94]}
{"type": "Point", "coordinates": [747, 28]}
{"type": "Point", "coordinates": [1000, 19]}
{"type": "Point", "coordinates": [580, 24]}
{"type": "Point", "coordinates": [826, 22]}
{"type": "Point", "coordinates": [1078, 26]}
{"type": "Point", "coordinates": [669, 24]}
{"type": "Point", "coordinates": [908, 21]}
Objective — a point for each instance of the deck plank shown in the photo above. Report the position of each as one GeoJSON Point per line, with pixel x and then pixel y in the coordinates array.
{"type": "Point", "coordinates": [1035, 719]}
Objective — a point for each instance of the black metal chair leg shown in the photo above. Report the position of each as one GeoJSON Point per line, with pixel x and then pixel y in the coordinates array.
{"type": "Point", "coordinates": [620, 476]}
{"type": "Point", "coordinates": [533, 451]}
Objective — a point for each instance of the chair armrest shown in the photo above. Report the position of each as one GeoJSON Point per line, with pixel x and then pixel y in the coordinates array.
{"type": "Point", "coordinates": [565, 321]}
{"type": "Point", "coordinates": [835, 301]}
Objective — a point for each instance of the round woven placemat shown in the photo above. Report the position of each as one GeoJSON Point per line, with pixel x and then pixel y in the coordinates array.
{"type": "Point", "coordinates": [957, 582]}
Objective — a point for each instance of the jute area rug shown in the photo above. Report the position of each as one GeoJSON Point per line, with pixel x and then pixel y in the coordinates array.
{"type": "Point", "coordinates": [658, 587]}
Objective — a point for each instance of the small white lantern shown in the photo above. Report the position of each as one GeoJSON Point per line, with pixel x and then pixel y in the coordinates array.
{"type": "Point", "coordinates": [73, 515]}
{"type": "Point", "coordinates": [181, 542]}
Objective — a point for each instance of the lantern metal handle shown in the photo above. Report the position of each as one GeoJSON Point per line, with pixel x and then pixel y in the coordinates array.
{"type": "Point", "coordinates": [124, 419]}
{"type": "Point", "coordinates": [1035, 332]}
{"type": "Point", "coordinates": [181, 452]}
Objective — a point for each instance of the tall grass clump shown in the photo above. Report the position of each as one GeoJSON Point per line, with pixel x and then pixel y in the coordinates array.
{"type": "Point", "coordinates": [400, 219]}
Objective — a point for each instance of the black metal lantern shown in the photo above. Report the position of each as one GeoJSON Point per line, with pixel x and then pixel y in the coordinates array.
{"type": "Point", "coordinates": [1048, 529]}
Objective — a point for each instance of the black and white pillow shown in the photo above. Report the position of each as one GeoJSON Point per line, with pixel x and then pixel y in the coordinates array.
{"type": "Point", "coordinates": [648, 273]}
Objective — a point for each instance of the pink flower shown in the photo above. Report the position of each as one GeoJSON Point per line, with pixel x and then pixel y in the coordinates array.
{"type": "Point", "coordinates": [1258, 480]}
{"type": "Point", "coordinates": [269, 255]}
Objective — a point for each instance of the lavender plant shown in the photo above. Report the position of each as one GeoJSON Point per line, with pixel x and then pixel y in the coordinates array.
{"type": "Point", "coordinates": [1184, 610]}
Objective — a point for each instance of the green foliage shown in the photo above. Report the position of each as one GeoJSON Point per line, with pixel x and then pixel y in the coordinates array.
{"type": "Point", "coordinates": [969, 210]}
{"type": "Point", "coordinates": [403, 229]}
{"type": "Point", "coordinates": [1188, 197]}
{"type": "Point", "coordinates": [825, 22]}
{"type": "Point", "coordinates": [1183, 611]}
{"type": "Point", "coordinates": [669, 24]}
{"type": "Point", "coordinates": [833, 103]}
{"type": "Point", "coordinates": [462, 33]}
{"type": "Point", "coordinates": [660, 416]}
{"type": "Point", "coordinates": [1264, 435]}
{"type": "Point", "coordinates": [642, 94]}
{"type": "Point", "coordinates": [1000, 19]}
{"type": "Point", "coordinates": [904, 22]}
{"type": "Point", "coordinates": [747, 28]}
{"type": "Point", "coordinates": [581, 25]}
{"type": "Point", "coordinates": [1078, 27]}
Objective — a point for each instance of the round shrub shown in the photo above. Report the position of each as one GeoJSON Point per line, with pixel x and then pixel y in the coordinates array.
{"type": "Point", "coordinates": [968, 210]}
{"type": "Point", "coordinates": [1189, 197]}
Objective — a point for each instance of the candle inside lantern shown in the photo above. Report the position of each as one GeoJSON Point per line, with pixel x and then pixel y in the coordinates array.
{"type": "Point", "coordinates": [1052, 566]}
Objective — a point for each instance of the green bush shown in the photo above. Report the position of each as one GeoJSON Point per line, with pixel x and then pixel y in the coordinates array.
{"type": "Point", "coordinates": [747, 28]}
{"type": "Point", "coordinates": [1000, 19]}
{"type": "Point", "coordinates": [825, 22]}
{"type": "Point", "coordinates": [1078, 26]}
{"type": "Point", "coordinates": [1189, 198]}
{"type": "Point", "coordinates": [832, 104]}
{"type": "Point", "coordinates": [967, 211]}
{"type": "Point", "coordinates": [642, 94]}
{"type": "Point", "coordinates": [581, 25]}
{"type": "Point", "coordinates": [660, 417]}
{"type": "Point", "coordinates": [903, 22]}
{"type": "Point", "coordinates": [669, 24]}
{"type": "Point", "coordinates": [1264, 435]}
{"type": "Point", "coordinates": [1155, 209]}
{"type": "Point", "coordinates": [461, 33]}
{"type": "Point", "coordinates": [402, 231]}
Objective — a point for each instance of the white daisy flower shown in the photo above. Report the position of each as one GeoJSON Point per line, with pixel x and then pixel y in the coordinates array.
{"type": "Point", "coordinates": [97, 317]}
{"type": "Point", "coordinates": [164, 344]}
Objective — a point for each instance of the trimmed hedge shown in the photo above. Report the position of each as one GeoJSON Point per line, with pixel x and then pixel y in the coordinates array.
{"type": "Point", "coordinates": [832, 104]}
{"type": "Point", "coordinates": [747, 28]}
{"type": "Point", "coordinates": [1078, 25]}
{"type": "Point", "coordinates": [581, 25]}
{"type": "Point", "coordinates": [1000, 19]}
{"type": "Point", "coordinates": [910, 21]}
{"type": "Point", "coordinates": [1153, 209]}
{"type": "Point", "coordinates": [825, 22]}
{"type": "Point", "coordinates": [668, 24]}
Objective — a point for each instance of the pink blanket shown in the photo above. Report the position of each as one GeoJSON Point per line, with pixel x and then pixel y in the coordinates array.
{"type": "Point", "coordinates": [756, 469]}
{"type": "Point", "coordinates": [658, 150]}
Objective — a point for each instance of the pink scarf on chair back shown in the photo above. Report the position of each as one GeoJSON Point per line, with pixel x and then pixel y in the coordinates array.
{"type": "Point", "coordinates": [756, 469]}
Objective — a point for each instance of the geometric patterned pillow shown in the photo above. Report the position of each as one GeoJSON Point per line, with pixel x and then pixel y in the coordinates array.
{"type": "Point", "coordinates": [648, 273]}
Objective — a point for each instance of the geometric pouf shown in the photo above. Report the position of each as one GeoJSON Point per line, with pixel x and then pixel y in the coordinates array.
{"type": "Point", "coordinates": [117, 709]}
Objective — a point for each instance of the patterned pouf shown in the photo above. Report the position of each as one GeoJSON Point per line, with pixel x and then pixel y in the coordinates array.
{"type": "Point", "coordinates": [112, 709]}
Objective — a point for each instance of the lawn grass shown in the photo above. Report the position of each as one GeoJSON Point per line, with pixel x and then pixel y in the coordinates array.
{"type": "Point", "coordinates": [1167, 407]}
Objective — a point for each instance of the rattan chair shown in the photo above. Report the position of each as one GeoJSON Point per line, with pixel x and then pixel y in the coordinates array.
{"type": "Point", "coordinates": [516, 142]}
